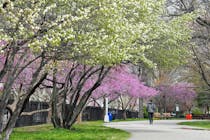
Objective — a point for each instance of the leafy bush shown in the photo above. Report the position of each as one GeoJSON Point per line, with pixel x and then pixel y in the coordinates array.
{"type": "Point", "coordinates": [197, 111]}
{"type": "Point", "coordinates": [145, 112]}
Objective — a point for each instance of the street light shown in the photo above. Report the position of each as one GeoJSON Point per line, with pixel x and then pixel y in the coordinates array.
{"type": "Point", "coordinates": [177, 109]}
{"type": "Point", "coordinates": [1, 86]}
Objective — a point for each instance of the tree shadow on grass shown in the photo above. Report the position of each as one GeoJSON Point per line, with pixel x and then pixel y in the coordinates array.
{"type": "Point", "coordinates": [79, 132]}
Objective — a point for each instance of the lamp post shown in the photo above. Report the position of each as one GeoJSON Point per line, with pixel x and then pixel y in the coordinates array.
{"type": "Point", "coordinates": [177, 109]}
{"type": "Point", "coordinates": [106, 116]}
{"type": "Point", "coordinates": [1, 86]}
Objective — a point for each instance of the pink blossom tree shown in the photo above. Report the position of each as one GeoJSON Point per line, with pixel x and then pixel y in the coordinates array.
{"type": "Point", "coordinates": [185, 95]}
{"type": "Point", "coordinates": [122, 85]}
{"type": "Point", "coordinates": [72, 84]}
{"type": "Point", "coordinates": [121, 81]}
{"type": "Point", "coordinates": [179, 93]}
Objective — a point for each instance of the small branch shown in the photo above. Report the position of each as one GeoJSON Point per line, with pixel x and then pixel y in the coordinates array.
{"type": "Point", "coordinates": [33, 112]}
{"type": "Point", "coordinates": [201, 69]}
{"type": "Point", "coordinates": [203, 22]}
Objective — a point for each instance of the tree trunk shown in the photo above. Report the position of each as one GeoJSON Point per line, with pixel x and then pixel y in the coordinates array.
{"type": "Point", "coordinates": [55, 118]}
{"type": "Point", "coordinates": [49, 116]}
{"type": "Point", "coordinates": [124, 114]}
{"type": "Point", "coordinates": [73, 117]}
{"type": "Point", "coordinates": [4, 99]}
{"type": "Point", "coordinates": [8, 133]}
{"type": "Point", "coordinates": [3, 104]}
{"type": "Point", "coordinates": [141, 108]}
{"type": "Point", "coordinates": [1, 126]}
{"type": "Point", "coordinates": [13, 119]}
{"type": "Point", "coordinates": [20, 106]}
{"type": "Point", "coordinates": [79, 118]}
{"type": "Point", "coordinates": [77, 100]}
{"type": "Point", "coordinates": [103, 109]}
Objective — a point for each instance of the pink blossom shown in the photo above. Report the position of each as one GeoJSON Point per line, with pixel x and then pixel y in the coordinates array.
{"type": "Point", "coordinates": [121, 82]}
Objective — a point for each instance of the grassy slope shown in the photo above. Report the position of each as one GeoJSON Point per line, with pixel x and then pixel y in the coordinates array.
{"type": "Point", "coordinates": [201, 124]}
{"type": "Point", "coordinates": [83, 131]}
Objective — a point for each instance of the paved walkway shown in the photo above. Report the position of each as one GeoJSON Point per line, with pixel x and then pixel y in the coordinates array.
{"type": "Point", "coordinates": [161, 130]}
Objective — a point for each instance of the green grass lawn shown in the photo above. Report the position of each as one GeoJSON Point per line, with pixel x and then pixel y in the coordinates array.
{"type": "Point", "coordinates": [130, 119]}
{"type": "Point", "coordinates": [83, 131]}
{"type": "Point", "coordinates": [201, 124]}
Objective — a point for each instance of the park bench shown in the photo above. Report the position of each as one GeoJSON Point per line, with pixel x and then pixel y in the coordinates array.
{"type": "Point", "coordinates": [162, 116]}
{"type": "Point", "coordinates": [157, 115]}
{"type": "Point", "coordinates": [201, 116]}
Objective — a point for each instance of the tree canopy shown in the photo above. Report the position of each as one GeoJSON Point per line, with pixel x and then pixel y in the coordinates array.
{"type": "Point", "coordinates": [94, 33]}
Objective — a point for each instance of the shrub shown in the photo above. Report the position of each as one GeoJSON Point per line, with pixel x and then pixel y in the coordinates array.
{"type": "Point", "coordinates": [197, 111]}
{"type": "Point", "coordinates": [145, 112]}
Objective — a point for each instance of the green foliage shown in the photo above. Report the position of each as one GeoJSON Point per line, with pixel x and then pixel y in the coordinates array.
{"type": "Point", "coordinates": [83, 131]}
{"type": "Point", "coordinates": [203, 98]}
{"type": "Point", "coordinates": [171, 42]}
{"type": "Point", "coordinates": [202, 124]}
{"type": "Point", "coordinates": [96, 32]}
{"type": "Point", "coordinates": [145, 112]}
{"type": "Point", "coordinates": [129, 119]}
{"type": "Point", "coordinates": [197, 111]}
